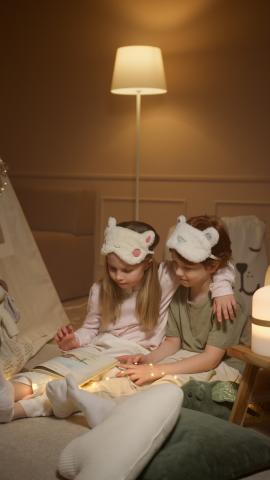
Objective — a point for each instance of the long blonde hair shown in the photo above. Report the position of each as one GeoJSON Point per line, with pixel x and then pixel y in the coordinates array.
{"type": "Point", "coordinates": [149, 295]}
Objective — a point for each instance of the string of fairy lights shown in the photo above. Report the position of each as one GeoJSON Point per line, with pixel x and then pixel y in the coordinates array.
{"type": "Point", "coordinates": [3, 176]}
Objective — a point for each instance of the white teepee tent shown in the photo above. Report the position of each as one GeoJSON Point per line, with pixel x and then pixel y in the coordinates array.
{"type": "Point", "coordinates": [29, 283]}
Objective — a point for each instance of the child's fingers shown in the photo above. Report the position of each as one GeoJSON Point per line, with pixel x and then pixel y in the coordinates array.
{"type": "Point", "coordinates": [130, 359]}
{"type": "Point", "coordinates": [137, 359]}
{"type": "Point", "coordinates": [125, 366]}
{"type": "Point", "coordinates": [61, 332]}
{"type": "Point", "coordinates": [64, 331]}
{"type": "Point", "coordinates": [231, 312]}
{"type": "Point", "coordinates": [124, 358]}
{"type": "Point", "coordinates": [122, 373]}
{"type": "Point", "coordinates": [218, 313]}
{"type": "Point", "coordinates": [234, 306]}
{"type": "Point", "coordinates": [59, 335]}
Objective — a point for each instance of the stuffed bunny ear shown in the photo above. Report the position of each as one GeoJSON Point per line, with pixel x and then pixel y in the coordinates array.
{"type": "Point", "coordinates": [212, 235]}
{"type": "Point", "coordinates": [149, 237]}
{"type": "Point", "coordinates": [112, 222]}
{"type": "Point", "coordinates": [181, 219]}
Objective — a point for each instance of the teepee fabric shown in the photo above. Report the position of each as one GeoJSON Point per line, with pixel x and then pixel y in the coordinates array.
{"type": "Point", "coordinates": [29, 284]}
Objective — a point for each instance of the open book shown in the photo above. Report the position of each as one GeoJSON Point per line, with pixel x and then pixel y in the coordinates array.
{"type": "Point", "coordinates": [84, 370]}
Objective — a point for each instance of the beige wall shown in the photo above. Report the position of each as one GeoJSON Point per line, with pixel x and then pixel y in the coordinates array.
{"type": "Point", "coordinates": [205, 144]}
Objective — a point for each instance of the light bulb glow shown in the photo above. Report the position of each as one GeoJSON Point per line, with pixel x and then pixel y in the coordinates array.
{"type": "Point", "coordinates": [260, 336]}
{"type": "Point", "coordinates": [138, 69]}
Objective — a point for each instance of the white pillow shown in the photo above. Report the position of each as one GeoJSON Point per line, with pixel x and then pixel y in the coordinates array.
{"type": "Point", "coordinates": [121, 446]}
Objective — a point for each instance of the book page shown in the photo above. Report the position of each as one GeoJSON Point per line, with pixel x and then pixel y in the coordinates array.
{"type": "Point", "coordinates": [83, 371]}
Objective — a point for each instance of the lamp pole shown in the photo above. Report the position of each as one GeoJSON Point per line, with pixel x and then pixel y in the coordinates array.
{"type": "Point", "coordinates": [138, 154]}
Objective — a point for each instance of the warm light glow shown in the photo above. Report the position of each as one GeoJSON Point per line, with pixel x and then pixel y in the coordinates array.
{"type": "Point", "coordinates": [260, 338]}
{"type": "Point", "coordinates": [267, 276]}
{"type": "Point", "coordinates": [261, 303]}
{"type": "Point", "coordinates": [138, 69]}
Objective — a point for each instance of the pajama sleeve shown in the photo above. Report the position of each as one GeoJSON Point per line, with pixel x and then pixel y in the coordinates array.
{"type": "Point", "coordinates": [91, 325]}
{"type": "Point", "coordinates": [223, 281]}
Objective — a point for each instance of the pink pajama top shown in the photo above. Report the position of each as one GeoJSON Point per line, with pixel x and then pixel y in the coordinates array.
{"type": "Point", "coordinates": [127, 325]}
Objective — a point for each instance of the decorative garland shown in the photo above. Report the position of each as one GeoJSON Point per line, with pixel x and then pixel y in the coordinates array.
{"type": "Point", "coordinates": [3, 176]}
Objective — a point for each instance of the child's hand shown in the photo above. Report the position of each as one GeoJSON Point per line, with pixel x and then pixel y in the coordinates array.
{"type": "Point", "coordinates": [141, 374]}
{"type": "Point", "coordinates": [225, 307]}
{"type": "Point", "coordinates": [65, 338]}
{"type": "Point", "coordinates": [131, 359]}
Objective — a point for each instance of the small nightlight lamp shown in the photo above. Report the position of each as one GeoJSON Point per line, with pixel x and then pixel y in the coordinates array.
{"type": "Point", "coordinates": [260, 336]}
{"type": "Point", "coordinates": [138, 70]}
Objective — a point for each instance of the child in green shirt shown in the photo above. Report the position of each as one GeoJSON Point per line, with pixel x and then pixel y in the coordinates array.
{"type": "Point", "coordinates": [195, 342]}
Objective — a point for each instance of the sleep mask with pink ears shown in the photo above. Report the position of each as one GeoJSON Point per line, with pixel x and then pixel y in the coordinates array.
{"type": "Point", "coordinates": [130, 246]}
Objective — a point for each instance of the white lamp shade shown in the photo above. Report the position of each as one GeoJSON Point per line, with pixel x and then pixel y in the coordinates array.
{"type": "Point", "coordinates": [260, 337]}
{"type": "Point", "coordinates": [261, 303]}
{"type": "Point", "coordinates": [138, 69]}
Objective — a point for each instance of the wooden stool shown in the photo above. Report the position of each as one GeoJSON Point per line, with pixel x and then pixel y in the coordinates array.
{"type": "Point", "coordinates": [253, 363]}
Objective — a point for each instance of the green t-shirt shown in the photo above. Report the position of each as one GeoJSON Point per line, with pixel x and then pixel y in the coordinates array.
{"type": "Point", "coordinates": [197, 326]}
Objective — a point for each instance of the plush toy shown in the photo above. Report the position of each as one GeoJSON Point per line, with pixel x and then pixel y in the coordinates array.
{"type": "Point", "coordinates": [215, 398]}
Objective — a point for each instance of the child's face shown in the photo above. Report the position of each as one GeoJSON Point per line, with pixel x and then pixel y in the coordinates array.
{"type": "Point", "coordinates": [124, 275]}
{"type": "Point", "coordinates": [191, 275]}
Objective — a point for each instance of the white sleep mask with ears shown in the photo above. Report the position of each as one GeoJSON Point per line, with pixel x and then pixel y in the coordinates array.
{"type": "Point", "coordinates": [191, 243]}
{"type": "Point", "coordinates": [131, 247]}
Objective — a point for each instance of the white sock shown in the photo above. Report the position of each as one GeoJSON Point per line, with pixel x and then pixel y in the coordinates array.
{"type": "Point", "coordinates": [6, 400]}
{"type": "Point", "coordinates": [57, 394]}
{"type": "Point", "coordinates": [38, 406]}
{"type": "Point", "coordinates": [92, 406]}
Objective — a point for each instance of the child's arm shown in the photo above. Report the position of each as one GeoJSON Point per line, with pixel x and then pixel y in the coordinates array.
{"type": "Point", "coordinates": [67, 338]}
{"type": "Point", "coordinates": [224, 303]}
{"type": "Point", "coordinates": [202, 362]}
{"type": "Point", "coordinates": [168, 347]}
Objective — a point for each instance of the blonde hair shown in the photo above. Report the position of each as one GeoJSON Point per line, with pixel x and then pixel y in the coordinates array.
{"type": "Point", "coordinates": [149, 295]}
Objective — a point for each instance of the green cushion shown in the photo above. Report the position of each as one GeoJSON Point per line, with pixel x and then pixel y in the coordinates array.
{"type": "Point", "coordinates": [203, 447]}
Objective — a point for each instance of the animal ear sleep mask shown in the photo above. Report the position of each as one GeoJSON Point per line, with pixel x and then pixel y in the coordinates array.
{"type": "Point", "coordinates": [191, 243]}
{"type": "Point", "coordinates": [130, 246]}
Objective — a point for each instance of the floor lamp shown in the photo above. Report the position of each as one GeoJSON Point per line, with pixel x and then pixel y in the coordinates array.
{"type": "Point", "coordinates": [138, 70]}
